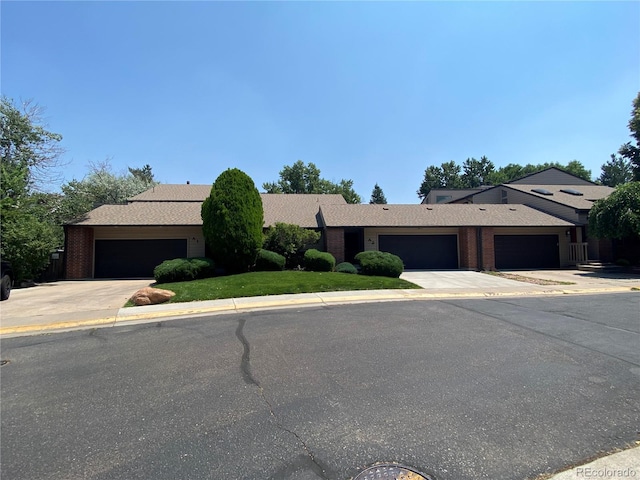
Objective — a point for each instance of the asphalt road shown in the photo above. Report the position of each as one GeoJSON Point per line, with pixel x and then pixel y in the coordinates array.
{"type": "Point", "coordinates": [459, 389]}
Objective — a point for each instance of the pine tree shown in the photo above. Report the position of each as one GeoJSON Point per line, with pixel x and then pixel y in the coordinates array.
{"type": "Point", "coordinates": [377, 196]}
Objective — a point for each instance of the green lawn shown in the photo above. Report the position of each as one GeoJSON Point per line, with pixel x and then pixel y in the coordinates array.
{"type": "Point", "coordinates": [276, 283]}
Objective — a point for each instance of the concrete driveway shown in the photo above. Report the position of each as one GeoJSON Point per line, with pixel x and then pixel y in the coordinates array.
{"type": "Point", "coordinates": [457, 279]}
{"type": "Point", "coordinates": [67, 301]}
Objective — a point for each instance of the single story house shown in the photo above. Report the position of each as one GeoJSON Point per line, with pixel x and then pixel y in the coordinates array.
{"type": "Point", "coordinates": [483, 231]}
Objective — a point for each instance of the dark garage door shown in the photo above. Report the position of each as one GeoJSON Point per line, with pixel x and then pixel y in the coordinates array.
{"type": "Point", "coordinates": [527, 251]}
{"type": "Point", "coordinates": [135, 258]}
{"type": "Point", "coordinates": [435, 252]}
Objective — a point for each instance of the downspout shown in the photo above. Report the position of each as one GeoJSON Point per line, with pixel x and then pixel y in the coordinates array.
{"type": "Point", "coordinates": [479, 247]}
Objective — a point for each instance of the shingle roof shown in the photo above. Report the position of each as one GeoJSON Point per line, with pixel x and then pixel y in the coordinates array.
{"type": "Point", "coordinates": [144, 213]}
{"type": "Point", "coordinates": [288, 208]}
{"type": "Point", "coordinates": [166, 192]}
{"type": "Point", "coordinates": [584, 202]}
{"type": "Point", "coordinates": [299, 209]}
{"type": "Point", "coordinates": [438, 215]}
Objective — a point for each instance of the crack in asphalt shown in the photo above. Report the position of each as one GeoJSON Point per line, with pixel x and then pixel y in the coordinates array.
{"type": "Point", "coordinates": [247, 376]}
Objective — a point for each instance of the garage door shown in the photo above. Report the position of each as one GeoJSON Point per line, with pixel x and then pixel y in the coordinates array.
{"type": "Point", "coordinates": [526, 251]}
{"type": "Point", "coordinates": [434, 252]}
{"type": "Point", "coordinates": [135, 258]}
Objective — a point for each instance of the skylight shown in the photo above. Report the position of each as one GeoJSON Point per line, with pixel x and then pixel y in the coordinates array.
{"type": "Point", "coordinates": [541, 191]}
{"type": "Point", "coordinates": [571, 191]}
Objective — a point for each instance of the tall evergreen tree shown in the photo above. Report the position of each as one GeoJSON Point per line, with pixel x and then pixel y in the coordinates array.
{"type": "Point", "coordinates": [377, 196]}
{"type": "Point", "coordinates": [232, 221]}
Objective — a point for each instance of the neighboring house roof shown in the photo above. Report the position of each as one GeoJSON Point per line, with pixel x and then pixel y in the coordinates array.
{"type": "Point", "coordinates": [166, 192]}
{"type": "Point", "coordinates": [552, 175]}
{"type": "Point", "coordinates": [590, 193]}
{"type": "Point", "coordinates": [298, 209]}
{"type": "Point", "coordinates": [438, 215]}
{"type": "Point", "coordinates": [454, 193]}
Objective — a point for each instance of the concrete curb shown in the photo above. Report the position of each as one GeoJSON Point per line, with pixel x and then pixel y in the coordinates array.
{"type": "Point", "coordinates": [163, 312]}
{"type": "Point", "coordinates": [625, 464]}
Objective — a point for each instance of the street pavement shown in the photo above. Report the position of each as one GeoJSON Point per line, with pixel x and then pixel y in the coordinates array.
{"type": "Point", "coordinates": [70, 305]}
{"type": "Point", "coordinates": [63, 306]}
{"type": "Point", "coordinates": [503, 388]}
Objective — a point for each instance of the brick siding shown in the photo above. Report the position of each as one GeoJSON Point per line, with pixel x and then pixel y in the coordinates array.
{"type": "Point", "coordinates": [79, 252]}
{"type": "Point", "coordinates": [488, 250]}
{"type": "Point", "coordinates": [468, 246]}
{"type": "Point", "coordinates": [334, 238]}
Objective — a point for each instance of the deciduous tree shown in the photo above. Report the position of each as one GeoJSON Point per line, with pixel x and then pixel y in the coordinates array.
{"type": "Point", "coordinates": [631, 150]}
{"type": "Point", "coordinates": [301, 178]}
{"type": "Point", "coordinates": [618, 215]}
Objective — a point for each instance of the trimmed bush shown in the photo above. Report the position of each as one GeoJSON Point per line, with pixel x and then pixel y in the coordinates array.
{"type": "Point", "coordinates": [184, 270]}
{"type": "Point", "coordinates": [232, 219]}
{"type": "Point", "coordinates": [318, 261]}
{"type": "Point", "coordinates": [382, 264]}
{"type": "Point", "coordinates": [268, 261]}
{"type": "Point", "coordinates": [346, 267]}
{"type": "Point", "coordinates": [290, 241]}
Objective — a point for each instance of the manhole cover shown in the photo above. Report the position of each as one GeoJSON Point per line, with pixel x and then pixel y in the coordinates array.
{"type": "Point", "coordinates": [391, 472]}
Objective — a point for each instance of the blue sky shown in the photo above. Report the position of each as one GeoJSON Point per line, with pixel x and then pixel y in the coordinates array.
{"type": "Point", "coordinates": [373, 92]}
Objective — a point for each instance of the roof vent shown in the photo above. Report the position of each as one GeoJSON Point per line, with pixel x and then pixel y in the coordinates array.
{"type": "Point", "coordinates": [541, 191]}
{"type": "Point", "coordinates": [571, 191]}
{"type": "Point", "coordinates": [188, 182]}
{"type": "Point", "coordinates": [429, 208]}
{"type": "Point", "coordinates": [512, 209]}
{"type": "Point", "coordinates": [385, 208]}
{"type": "Point", "coordinates": [483, 209]}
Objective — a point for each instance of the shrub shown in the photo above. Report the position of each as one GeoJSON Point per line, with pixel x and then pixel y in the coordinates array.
{"type": "Point", "coordinates": [381, 264]}
{"type": "Point", "coordinates": [290, 241]}
{"type": "Point", "coordinates": [318, 261]}
{"type": "Point", "coordinates": [268, 261]}
{"type": "Point", "coordinates": [232, 219]}
{"type": "Point", "coordinates": [346, 267]}
{"type": "Point", "coordinates": [183, 270]}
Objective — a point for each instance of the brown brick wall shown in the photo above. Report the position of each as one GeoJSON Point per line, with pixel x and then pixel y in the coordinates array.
{"type": "Point", "coordinates": [468, 247]}
{"type": "Point", "coordinates": [79, 252]}
{"type": "Point", "coordinates": [334, 238]}
{"type": "Point", "coordinates": [488, 251]}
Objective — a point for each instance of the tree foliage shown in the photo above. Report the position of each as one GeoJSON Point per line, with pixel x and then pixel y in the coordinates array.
{"type": "Point", "coordinates": [630, 151]}
{"type": "Point", "coordinates": [618, 215]}
{"type": "Point", "coordinates": [102, 187]}
{"type": "Point", "coordinates": [27, 146]}
{"type": "Point", "coordinates": [475, 173]}
{"type": "Point", "coordinates": [616, 172]}
{"type": "Point", "coordinates": [377, 196]}
{"type": "Point", "coordinates": [232, 218]}
{"type": "Point", "coordinates": [290, 241]}
{"type": "Point", "coordinates": [301, 178]}
{"type": "Point", "coordinates": [29, 157]}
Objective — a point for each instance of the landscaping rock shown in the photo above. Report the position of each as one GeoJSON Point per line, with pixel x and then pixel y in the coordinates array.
{"type": "Point", "coordinates": [151, 296]}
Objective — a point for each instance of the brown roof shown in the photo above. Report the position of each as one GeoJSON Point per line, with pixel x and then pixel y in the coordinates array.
{"type": "Point", "coordinates": [144, 213]}
{"type": "Point", "coordinates": [299, 209]}
{"type": "Point", "coordinates": [438, 215]}
{"type": "Point", "coordinates": [580, 202]}
{"type": "Point", "coordinates": [166, 192]}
